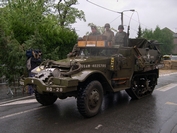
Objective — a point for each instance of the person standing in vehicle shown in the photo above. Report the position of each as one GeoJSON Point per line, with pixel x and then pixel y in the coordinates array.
{"type": "Point", "coordinates": [109, 34]}
{"type": "Point", "coordinates": [121, 37]}
{"type": "Point", "coordinates": [74, 52]}
{"type": "Point", "coordinates": [94, 31]}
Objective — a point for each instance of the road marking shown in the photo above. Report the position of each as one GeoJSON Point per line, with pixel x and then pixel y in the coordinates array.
{"type": "Point", "coordinates": [170, 103]}
{"type": "Point", "coordinates": [97, 127]}
{"type": "Point", "coordinates": [19, 102]}
{"type": "Point", "coordinates": [22, 112]}
{"type": "Point", "coordinates": [161, 75]}
{"type": "Point", "coordinates": [167, 87]}
{"type": "Point", "coordinates": [16, 99]}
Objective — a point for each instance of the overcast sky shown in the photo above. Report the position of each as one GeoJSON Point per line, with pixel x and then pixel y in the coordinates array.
{"type": "Point", "coordinates": [151, 13]}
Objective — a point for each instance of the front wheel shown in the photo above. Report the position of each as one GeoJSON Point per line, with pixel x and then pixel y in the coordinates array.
{"type": "Point", "coordinates": [90, 98]}
{"type": "Point", "coordinates": [45, 99]}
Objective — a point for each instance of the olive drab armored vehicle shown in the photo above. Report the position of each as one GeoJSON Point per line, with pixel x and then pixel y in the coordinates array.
{"type": "Point", "coordinates": [97, 69]}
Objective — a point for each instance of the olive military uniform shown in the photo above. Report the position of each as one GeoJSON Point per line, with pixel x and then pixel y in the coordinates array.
{"type": "Point", "coordinates": [94, 31]}
{"type": "Point", "coordinates": [120, 39]}
{"type": "Point", "coordinates": [109, 34]}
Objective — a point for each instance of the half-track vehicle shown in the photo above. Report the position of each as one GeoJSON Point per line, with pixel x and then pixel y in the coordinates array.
{"type": "Point", "coordinates": [95, 70]}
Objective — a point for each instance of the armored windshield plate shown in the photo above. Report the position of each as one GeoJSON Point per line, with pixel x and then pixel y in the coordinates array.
{"type": "Point", "coordinates": [91, 43]}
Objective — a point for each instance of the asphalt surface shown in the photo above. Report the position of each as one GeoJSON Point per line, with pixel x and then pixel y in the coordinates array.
{"type": "Point", "coordinates": [18, 95]}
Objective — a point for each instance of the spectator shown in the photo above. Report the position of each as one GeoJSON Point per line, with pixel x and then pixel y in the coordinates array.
{"type": "Point", "coordinates": [32, 63]}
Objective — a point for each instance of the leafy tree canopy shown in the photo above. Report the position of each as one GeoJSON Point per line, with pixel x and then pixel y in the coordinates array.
{"type": "Point", "coordinates": [66, 14]}
{"type": "Point", "coordinates": [32, 24]}
{"type": "Point", "coordinates": [164, 36]}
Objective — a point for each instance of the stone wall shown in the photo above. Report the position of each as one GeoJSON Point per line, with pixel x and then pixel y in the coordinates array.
{"type": "Point", "coordinates": [170, 64]}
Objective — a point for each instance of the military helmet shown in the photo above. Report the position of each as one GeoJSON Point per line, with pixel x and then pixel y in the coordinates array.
{"type": "Point", "coordinates": [120, 27]}
{"type": "Point", "coordinates": [107, 25]}
{"type": "Point", "coordinates": [93, 26]}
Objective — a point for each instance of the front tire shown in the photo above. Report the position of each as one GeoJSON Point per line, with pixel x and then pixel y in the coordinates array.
{"type": "Point", "coordinates": [90, 99]}
{"type": "Point", "coordinates": [45, 99]}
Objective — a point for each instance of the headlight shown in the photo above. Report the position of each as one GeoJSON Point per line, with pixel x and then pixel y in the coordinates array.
{"type": "Point", "coordinates": [37, 69]}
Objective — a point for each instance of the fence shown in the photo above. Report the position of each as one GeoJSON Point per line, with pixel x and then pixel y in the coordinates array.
{"type": "Point", "coordinates": [13, 87]}
{"type": "Point", "coordinates": [4, 83]}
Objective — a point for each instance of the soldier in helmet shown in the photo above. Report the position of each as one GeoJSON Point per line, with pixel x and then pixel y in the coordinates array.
{"type": "Point", "coordinates": [74, 52]}
{"type": "Point", "coordinates": [94, 31]}
{"type": "Point", "coordinates": [108, 33]}
{"type": "Point", "coordinates": [121, 37]}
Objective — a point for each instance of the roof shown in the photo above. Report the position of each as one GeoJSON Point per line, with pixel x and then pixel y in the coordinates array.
{"type": "Point", "coordinates": [174, 34]}
{"type": "Point", "coordinates": [168, 30]}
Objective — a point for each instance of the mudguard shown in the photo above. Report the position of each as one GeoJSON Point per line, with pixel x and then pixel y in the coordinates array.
{"type": "Point", "coordinates": [83, 75]}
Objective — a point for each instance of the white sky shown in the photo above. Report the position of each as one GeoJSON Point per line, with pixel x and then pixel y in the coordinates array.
{"type": "Point", "coordinates": [152, 13]}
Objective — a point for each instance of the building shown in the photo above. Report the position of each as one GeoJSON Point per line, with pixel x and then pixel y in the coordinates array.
{"type": "Point", "coordinates": [174, 52]}
{"type": "Point", "coordinates": [175, 43]}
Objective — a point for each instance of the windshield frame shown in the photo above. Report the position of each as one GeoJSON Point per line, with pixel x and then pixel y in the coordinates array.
{"type": "Point", "coordinates": [98, 51]}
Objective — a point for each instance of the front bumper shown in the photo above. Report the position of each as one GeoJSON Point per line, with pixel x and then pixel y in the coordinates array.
{"type": "Point", "coordinates": [56, 85]}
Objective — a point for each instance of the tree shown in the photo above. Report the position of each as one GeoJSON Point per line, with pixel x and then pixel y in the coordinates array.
{"type": "Point", "coordinates": [29, 24]}
{"type": "Point", "coordinates": [66, 13]}
{"type": "Point", "coordinates": [12, 55]}
{"type": "Point", "coordinates": [24, 17]}
{"type": "Point", "coordinates": [163, 36]}
{"type": "Point", "coordinates": [19, 20]}
{"type": "Point", "coordinates": [139, 32]}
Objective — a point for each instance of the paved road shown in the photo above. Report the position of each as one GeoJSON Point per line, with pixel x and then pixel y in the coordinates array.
{"type": "Point", "coordinates": [154, 114]}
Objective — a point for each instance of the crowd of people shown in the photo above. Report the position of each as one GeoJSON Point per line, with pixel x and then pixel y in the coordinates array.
{"type": "Point", "coordinates": [119, 39]}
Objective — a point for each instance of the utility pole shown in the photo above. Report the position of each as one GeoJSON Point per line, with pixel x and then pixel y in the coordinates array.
{"type": "Point", "coordinates": [122, 18]}
{"type": "Point", "coordinates": [122, 15]}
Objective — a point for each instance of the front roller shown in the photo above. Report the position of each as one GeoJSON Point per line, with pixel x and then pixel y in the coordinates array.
{"type": "Point", "coordinates": [90, 98]}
